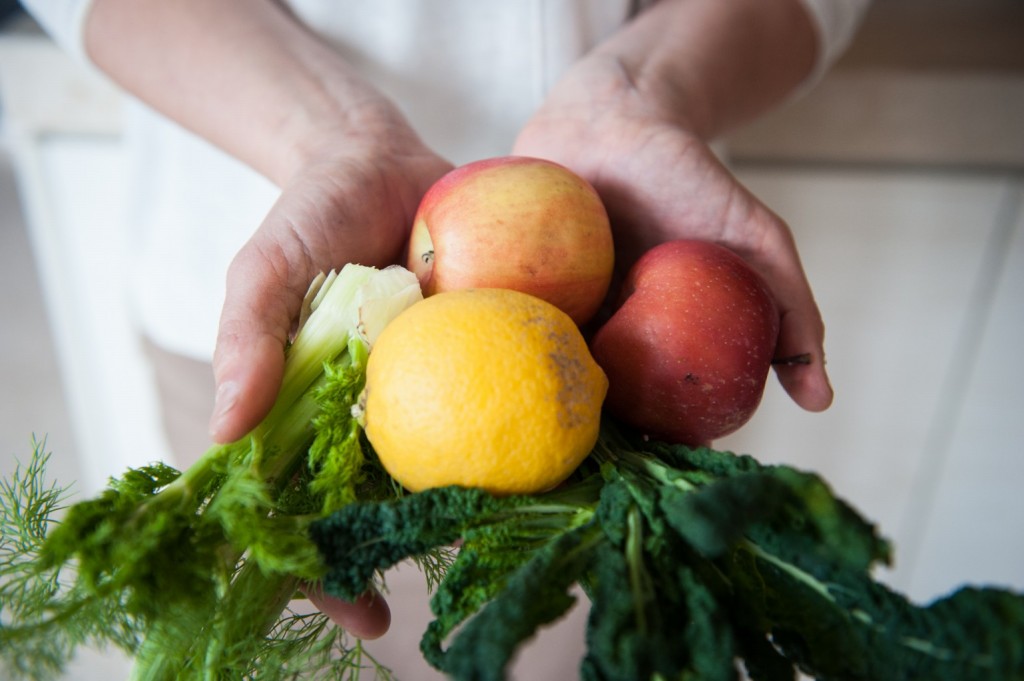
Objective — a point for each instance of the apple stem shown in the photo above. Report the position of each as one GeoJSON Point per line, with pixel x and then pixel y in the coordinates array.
{"type": "Point", "coordinates": [793, 360]}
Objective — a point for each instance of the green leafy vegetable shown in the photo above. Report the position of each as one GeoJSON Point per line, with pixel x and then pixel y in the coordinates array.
{"type": "Point", "coordinates": [193, 572]}
{"type": "Point", "coordinates": [694, 561]}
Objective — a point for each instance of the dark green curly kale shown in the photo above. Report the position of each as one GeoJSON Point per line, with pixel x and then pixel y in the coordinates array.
{"type": "Point", "coordinates": [695, 562]}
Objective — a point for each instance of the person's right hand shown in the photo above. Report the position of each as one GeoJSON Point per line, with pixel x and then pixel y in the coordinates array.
{"type": "Point", "coordinates": [252, 79]}
{"type": "Point", "coordinates": [352, 199]}
{"type": "Point", "coordinates": [249, 77]}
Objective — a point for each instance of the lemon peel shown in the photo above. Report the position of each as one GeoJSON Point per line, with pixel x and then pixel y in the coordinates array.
{"type": "Point", "coordinates": [488, 388]}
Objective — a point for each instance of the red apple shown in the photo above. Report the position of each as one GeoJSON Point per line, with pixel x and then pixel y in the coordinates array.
{"type": "Point", "coordinates": [517, 223]}
{"type": "Point", "coordinates": [689, 350]}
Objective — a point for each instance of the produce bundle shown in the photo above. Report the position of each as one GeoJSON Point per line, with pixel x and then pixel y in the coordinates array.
{"type": "Point", "coordinates": [474, 433]}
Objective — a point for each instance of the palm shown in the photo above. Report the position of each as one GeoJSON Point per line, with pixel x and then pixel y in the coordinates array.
{"type": "Point", "coordinates": [661, 183]}
{"type": "Point", "coordinates": [349, 207]}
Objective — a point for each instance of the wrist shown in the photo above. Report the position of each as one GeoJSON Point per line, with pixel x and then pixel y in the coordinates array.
{"type": "Point", "coordinates": [355, 128]}
{"type": "Point", "coordinates": [601, 100]}
{"type": "Point", "coordinates": [708, 66]}
{"type": "Point", "coordinates": [334, 112]}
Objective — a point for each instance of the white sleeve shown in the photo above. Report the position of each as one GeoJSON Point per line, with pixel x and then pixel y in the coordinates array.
{"type": "Point", "coordinates": [836, 22]}
{"type": "Point", "coordinates": [64, 21]}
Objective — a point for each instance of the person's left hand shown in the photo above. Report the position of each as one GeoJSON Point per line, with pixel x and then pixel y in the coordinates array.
{"type": "Point", "coordinates": [661, 182]}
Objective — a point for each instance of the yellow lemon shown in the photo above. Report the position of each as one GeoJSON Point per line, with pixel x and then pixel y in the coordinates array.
{"type": "Point", "coordinates": [487, 388]}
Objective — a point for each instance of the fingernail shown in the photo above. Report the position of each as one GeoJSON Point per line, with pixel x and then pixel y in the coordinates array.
{"type": "Point", "coordinates": [224, 401]}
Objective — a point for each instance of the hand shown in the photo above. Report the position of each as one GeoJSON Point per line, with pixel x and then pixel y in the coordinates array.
{"type": "Point", "coordinates": [369, 617]}
{"type": "Point", "coordinates": [660, 182]}
{"type": "Point", "coordinates": [353, 200]}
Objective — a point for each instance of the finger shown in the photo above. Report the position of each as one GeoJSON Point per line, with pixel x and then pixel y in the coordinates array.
{"type": "Point", "coordinates": [800, 350]}
{"type": "Point", "coordinates": [263, 295]}
{"type": "Point", "coordinates": [806, 380]}
{"type": "Point", "coordinates": [369, 617]}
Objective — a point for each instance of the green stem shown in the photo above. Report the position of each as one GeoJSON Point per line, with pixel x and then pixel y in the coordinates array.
{"type": "Point", "coordinates": [286, 440]}
{"type": "Point", "coordinates": [639, 580]}
{"type": "Point", "coordinates": [281, 438]}
{"type": "Point", "coordinates": [793, 571]}
{"type": "Point", "coordinates": [277, 448]}
{"type": "Point", "coordinates": [663, 474]}
{"type": "Point", "coordinates": [200, 475]}
{"type": "Point", "coordinates": [256, 602]}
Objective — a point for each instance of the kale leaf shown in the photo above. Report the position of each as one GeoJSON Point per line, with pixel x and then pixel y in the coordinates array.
{"type": "Point", "coordinates": [697, 564]}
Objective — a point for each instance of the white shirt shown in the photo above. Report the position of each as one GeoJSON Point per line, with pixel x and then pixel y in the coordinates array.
{"type": "Point", "coordinates": [468, 75]}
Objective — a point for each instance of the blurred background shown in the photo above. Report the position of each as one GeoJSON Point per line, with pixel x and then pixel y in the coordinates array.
{"type": "Point", "coordinates": [901, 174]}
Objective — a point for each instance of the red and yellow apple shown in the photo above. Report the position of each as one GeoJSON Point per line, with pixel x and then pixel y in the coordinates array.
{"type": "Point", "coordinates": [688, 351]}
{"type": "Point", "coordinates": [517, 223]}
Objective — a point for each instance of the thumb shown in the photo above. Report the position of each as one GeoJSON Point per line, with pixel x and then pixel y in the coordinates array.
{"type": "Point", "coordinates": [263, 296]}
